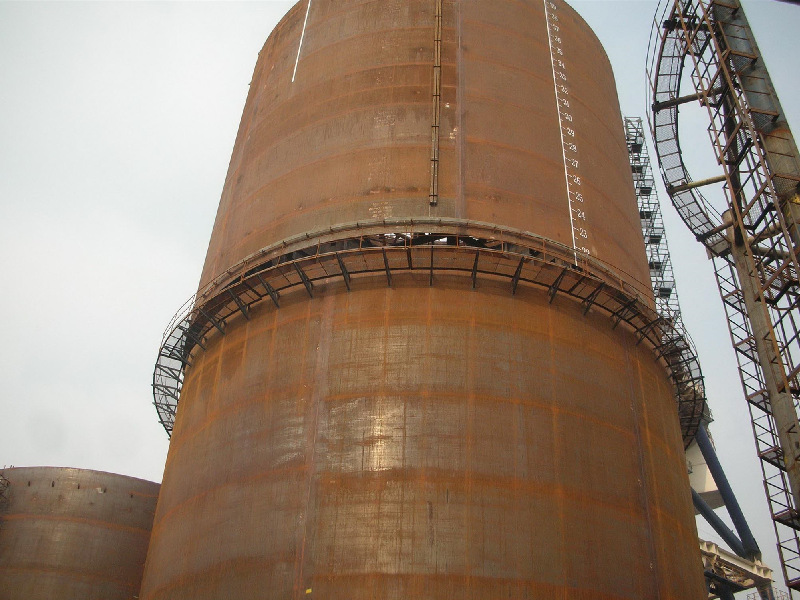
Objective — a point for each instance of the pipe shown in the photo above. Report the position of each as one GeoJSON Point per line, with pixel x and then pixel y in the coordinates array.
{"type": "Point", "coordinates": [728, 497]}
{"type": "Point", "coordinates": [674, 189]}
{"type": "Point", "coordinates": [724, 592]}
{"type": "Point", "coordinates": [719, 526]}
{"type": "Point", "coordinates": [684, 99]}
{"type": "Point", "coordinates": [720, 586]}
{"type": "Point", "coordinates": [765, 593]}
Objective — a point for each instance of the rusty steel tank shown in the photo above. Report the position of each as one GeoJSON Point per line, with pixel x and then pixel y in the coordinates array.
{"type": "Point", "coordinates": [73, 534]}
{"type": "Point", "coordinates": [423, 360]}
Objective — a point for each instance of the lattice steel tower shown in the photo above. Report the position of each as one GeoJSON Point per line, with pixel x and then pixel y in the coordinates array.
{"type": "Point", "coordinates": [754, 239]}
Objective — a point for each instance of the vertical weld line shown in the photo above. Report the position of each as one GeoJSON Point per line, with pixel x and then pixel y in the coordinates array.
{"type": "Point", "coordinates": [639, 417]}
{"type": "Point", "coordinates": [560, 128]}
{"type": "Point", "coordinates": [471, 343]}
{"type": "Point", "coordinates": [300, 45]}
{"type": "Point", "coordinates": [316, 396]}
{"type": "Point", "coordinates": [433, 195]}
{"type": "Point", "coordinates": [461, 210]}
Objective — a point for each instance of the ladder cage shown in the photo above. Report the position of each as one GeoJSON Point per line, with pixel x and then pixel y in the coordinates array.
{"type": "Point", "coordinates": [709, 45]}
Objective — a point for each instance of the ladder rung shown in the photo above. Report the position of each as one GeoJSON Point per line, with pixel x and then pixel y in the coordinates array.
{"type": "Point", "coordinates": [788, 517]}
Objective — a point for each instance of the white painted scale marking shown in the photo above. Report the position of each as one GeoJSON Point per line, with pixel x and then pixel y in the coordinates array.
{"type": "Point", "coordinates": [300, 45]}
{"type": "Point", "coordinates": [569, 144]}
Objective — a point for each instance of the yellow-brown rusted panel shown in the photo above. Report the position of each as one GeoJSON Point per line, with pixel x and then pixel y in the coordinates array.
{"type": "Point", "coordinates": [431, 442]}
{"type": "Point", "coordinates": [428, 439]}
{"type": "Point", "coordinates": [74, 534]}
{"type": "Point", "coordinates": [350, 139]}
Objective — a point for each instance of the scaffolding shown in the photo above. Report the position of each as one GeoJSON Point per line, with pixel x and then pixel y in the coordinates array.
{"type": "Point", "coordinates": [725, 572]}
{"type": "Point", "coordinates": [658, 258]}
{"type": "Point", "coordinates": [753, 240]}
{"type": "Point", "coordinates": [659, 261]}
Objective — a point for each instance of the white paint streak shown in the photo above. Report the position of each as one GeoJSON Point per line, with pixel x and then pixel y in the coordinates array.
{"type": "Point", "coordinates": [560, 129]}
{"type": "Point", "coordinates": [300, 46]}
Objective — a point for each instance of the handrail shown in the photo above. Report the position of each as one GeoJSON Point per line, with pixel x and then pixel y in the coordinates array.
{"type": "Point", "coordinates": [521, 258]}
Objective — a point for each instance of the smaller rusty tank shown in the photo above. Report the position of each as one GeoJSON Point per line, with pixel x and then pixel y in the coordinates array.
{"type": "Point", "coordinates": [73, 534]}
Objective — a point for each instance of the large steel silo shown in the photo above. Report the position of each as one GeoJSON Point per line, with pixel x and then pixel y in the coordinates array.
{"type": "Point", "coordinates": [423, 360]}
{"type": "Point", "coordinates": [73, 534]}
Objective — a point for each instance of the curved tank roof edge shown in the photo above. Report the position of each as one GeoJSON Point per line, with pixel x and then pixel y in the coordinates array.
{"type": "Point", "coordinates": [79, 469]}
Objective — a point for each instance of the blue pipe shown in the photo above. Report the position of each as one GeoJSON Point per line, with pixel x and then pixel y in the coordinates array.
{"type": "Point", "coordinates": [724, 592]}
{"type": "Point", "coordinates": [751, 548]}
{"type": "Point", "coordinates": [719, 526]}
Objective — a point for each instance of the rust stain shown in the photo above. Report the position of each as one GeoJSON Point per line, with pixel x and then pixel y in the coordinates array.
{"type": "Point", "coordinates": [444, 442]}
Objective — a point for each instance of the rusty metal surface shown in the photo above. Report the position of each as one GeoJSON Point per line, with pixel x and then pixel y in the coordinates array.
{"type": "Point", "coordinates": [411, 433]}
{"type": "Point", "coordinates": [73, 534]}
{"type": "Point", "coordinates": [430, 247]}
{"type": "Point", "coordinates": [432, 442]}
{"type": "Point", "coordinates": [350, 139]}
{"type": "Point", "coordinates": [755, 242]}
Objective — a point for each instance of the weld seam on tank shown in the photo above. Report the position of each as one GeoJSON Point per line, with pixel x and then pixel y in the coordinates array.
{"type": "Point", "coordinates": [437, 98]}
{"type": "Point", "coordinates": [77, 520]}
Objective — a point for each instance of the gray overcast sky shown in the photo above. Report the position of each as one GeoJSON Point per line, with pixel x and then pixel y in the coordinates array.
{"type": "Point", "coordinates": [117, 121]}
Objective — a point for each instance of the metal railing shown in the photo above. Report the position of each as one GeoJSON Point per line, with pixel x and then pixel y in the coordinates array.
{"type": "Point", "coordinates": [435, 246]}
{"type": "Point", "coordinates": [754, 240]}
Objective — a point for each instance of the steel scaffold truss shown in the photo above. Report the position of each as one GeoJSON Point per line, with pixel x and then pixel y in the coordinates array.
{"type": "Point", "coordinates": [737, 573]}
{"type": "Point", "coordinates": [659, 262]}
{"type": "Point", "coordinates": [754, 240]}
{"type": "Point", "coordinates": [661, 275]}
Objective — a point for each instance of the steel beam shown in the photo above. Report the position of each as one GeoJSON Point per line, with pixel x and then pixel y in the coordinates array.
{"type": "Point", "coordinates": [213, 321]}
{"type": "Point", "coordinates": [590, 299]}
{"type": "Point", "coordinates": [551, 293]}
{"type": "Point", "coordinates": [718, 524]}
{"type": "Point", "coordinates": [386, 266]}
{"type": "Point", "coordinates": [517, 273]}
{"type": "Point", "coordinates": [617, 316]}
{"type": "Point", "coordinates": [657, 106]}
{"type": "Point", "coordinates": [273, 294]}
{"type": "Point", "coordinates": [345, 274]}
{"type": "Point", "coordinates": [780, 399]}
{"type": "Point", "coordinates": [695, 184]}
{"type": "Point", "coordinates": [306, 281]}
{"type": "Point", "coordinates": [197, 339]}
{"type": "Point", "coordinates": [242, 306]}
{"type": "Point", "coordinates": [729, 498]}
